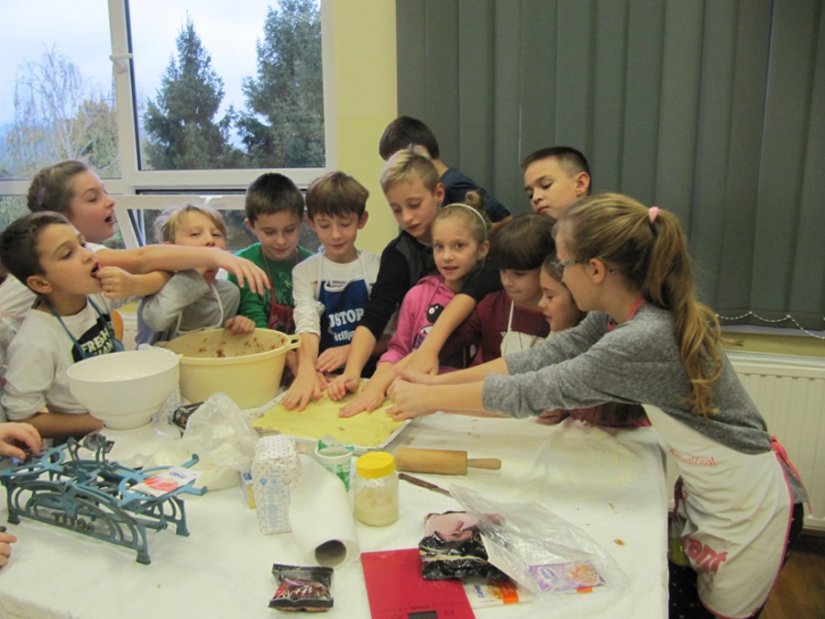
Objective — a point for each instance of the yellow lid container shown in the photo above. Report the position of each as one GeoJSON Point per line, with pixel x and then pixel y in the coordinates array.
{"type": "Point", "coordinates": [375, 464]}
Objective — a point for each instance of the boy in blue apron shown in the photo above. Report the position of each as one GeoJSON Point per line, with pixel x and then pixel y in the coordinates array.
{"type": "Point", "coordinates": [331, 288]}
{"type": "Point", "coordinates": [71, 321]}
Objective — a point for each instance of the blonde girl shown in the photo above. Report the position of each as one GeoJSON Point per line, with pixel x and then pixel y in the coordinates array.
{"type": "Point", "coordinates": [647, 339]}
{"type": "Point", "coordinates": [192, 299]}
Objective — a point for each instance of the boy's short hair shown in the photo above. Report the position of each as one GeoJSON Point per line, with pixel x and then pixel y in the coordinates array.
{"type": "Point", "coordinates": [334, 194]}
{"type": "Point", "coordinates": [404, 132]}
{"type": "Point", "coordinates": [272, 193]}
{"type": "Point", "coordinates": [18, 243]}
{"type": "Point", "coordinates": [570, 159]}
{"type": "Point", "coordinates": [167, 223]}
{"type": "Point", "coordinates": [407, 164]}
{"type": "Point", "coordinates": [49, 189]}
{"type": "Point", "coordinates": [524, 242]}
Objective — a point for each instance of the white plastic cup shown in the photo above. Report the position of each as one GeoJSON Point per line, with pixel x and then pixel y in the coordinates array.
{"type": "Point", "coordinates": [337, 459]}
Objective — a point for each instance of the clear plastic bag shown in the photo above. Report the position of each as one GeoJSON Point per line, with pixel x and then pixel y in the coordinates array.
{"type": "Point", "coordinates": [538, 549]}
{"type": "Point", "coordinates": [219, 433]}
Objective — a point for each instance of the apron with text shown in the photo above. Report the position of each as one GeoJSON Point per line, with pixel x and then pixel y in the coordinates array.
{"type": "Point", "coordinates": [732, 513]}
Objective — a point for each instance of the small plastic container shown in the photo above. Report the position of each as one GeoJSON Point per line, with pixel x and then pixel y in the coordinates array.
{"type": "Point", "coordinates": [375, 489]}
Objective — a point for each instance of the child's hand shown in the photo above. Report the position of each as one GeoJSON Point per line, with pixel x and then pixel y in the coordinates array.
{"type": "Point", "coordinates": [342, 385]}
{"type": "Point", "coordinates": [305, 388]}
{"type": "Point", "coordinates": [117, 283]}
{"type": "Point", "coordinates": [6, 540]}
{"type": "Point", "coordinates": [239, 325]}
{"type": "Point", "coordinates": [248, 273]}
{"type": "Point", "coordinates": [407, 398]}
{"type": "Point", "coordinates": [420, 360]}
{"type": "Point", "coordinates": [15, 432]}
{"type": "Point", "coordinates": [553, 417]}
{"type": "Point", "coordinates": [368, 399]}
{"type": "Point", "coordinates": [332, 359]}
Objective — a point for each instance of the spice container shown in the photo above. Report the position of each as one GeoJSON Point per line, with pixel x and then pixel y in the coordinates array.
{"type": "Point", "coordinates": [375, 489]}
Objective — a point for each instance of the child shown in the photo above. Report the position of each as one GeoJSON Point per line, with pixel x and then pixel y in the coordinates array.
{"type": "Point", "coordinates": [647, 339]}
{"type": "Point", "coordinates": [192, 299]}
{"type": "Point", "coordinates": [74, 190]}
{"type": "Point", "coordinates": [459, 246]}
{"type": "Point", "coordinates": [331, 288]}
{"type": "Point", "coordinates": [555, 178]}
{"type": "Point", "coordinates": [405, 131]}
{"type": "Point", "coordinates": [562, 313]}
{"type": "Point", "coordinates": [411, 186]}
{"type": "Point", "coordinates": [274, 212]}
{"type": "Point", "coordinates": [509, 320]}
{"type": "Point", "coordinates": [70, 322]}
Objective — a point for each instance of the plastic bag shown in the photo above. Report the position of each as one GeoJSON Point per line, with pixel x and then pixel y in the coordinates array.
{"type": "Point", "coordinates": [225, 443]}
{"type": "Point", "coordinates": [218, 433]}
{"type": "Point", "coordinates": [540, 550]}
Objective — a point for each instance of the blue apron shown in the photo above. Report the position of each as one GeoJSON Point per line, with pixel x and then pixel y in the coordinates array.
{"type": "Point", "coordinates": [344, 304]}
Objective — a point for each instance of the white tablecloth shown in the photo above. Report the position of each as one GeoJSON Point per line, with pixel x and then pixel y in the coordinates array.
{"type": "Point", "coordinates": [610, 483]}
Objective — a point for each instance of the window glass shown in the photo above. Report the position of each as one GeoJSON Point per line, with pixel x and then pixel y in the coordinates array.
{"type": "Point", "coordinates": [56, 98]}
{"type": "Point", "coordinates": [228, 85]}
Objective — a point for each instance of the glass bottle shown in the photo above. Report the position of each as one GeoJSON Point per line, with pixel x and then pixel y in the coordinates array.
{"type": "Point", "coordinates": [375, 489]}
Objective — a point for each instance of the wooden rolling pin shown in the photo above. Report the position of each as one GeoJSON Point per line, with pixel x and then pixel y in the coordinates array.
{"type": "Point", "coordinates": [440, 461]}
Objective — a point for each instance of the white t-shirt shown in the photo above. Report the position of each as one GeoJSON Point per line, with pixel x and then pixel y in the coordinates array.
{"type": "Point", "coordinates": [42, 351]}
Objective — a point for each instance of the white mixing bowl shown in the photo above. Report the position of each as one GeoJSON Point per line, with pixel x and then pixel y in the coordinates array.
{"type": "Point", "coordinates": [124, 389]}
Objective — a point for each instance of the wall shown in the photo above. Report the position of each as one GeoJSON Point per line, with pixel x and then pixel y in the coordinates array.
{"type": "Point", "coordinates": [364, 62]}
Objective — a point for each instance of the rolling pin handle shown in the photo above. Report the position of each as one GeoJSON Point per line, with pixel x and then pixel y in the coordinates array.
{"type": "Point", "coordinates": [492, 464]}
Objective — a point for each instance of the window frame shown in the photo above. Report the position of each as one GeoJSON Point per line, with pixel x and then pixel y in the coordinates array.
{"type": "Point", "coordinates": [183, 185]}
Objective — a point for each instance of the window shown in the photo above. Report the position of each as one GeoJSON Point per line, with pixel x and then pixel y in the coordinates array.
{"type": "Point", "coordinates": [162, 96]}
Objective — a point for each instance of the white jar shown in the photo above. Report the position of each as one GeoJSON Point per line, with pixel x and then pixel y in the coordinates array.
{"type": "Point", "coordinates": [275, 471]}
{"type": "Point", "coordinates": [375, 489]}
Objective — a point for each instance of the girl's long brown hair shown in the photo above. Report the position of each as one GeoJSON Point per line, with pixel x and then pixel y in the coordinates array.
{"type": "Point", "coordinates": [651, 251]}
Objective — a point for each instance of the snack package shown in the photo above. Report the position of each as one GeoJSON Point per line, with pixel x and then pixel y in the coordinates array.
{"type": "Point", "coordinates": [541, 551]}
{"type": "Point", "coordinates": [302, 588]}
{"type": "Point", "coordinates": [452, 548]}
{"type": "Point", "coordinates": [482, 593]}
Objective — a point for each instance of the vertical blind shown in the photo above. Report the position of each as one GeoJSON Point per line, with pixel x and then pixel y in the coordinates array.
{"type": "Point", "coordinates": [713, 109]}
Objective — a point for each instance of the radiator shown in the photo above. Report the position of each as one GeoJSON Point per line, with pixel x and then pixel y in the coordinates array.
{"type": "Point", "coordinates": [790, 393]}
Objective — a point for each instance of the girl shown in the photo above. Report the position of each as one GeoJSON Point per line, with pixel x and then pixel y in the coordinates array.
{"type": "Point", "coordinates": [191, 299]}
{"type": "Point", "coordinates": [648, 339]}
{"type": "Point", "coordinates": [410, 183]}
{"type": "Point", "coordinates": [73, 189]}
{"type": "Point", "coordinates": [460, 245]}
{"type": "Point", "coordinates": [562, 313]}
{"type": "Point", "coordinates": [510, 320]}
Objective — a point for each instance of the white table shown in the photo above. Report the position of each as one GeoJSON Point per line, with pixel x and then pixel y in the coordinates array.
{"type": "Point", "coordinates": [611, 484]}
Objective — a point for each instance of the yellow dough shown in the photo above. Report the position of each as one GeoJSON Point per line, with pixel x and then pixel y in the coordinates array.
{"type": "Point", "coordinates": [321, 419]}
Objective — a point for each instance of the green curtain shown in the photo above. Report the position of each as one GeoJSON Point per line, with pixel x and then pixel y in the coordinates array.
{"type": "Point", "coordinates": [713, 109]}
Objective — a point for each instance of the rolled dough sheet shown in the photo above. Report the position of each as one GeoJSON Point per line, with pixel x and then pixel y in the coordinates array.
{"type": "Point", "coordinates": [320, 419]}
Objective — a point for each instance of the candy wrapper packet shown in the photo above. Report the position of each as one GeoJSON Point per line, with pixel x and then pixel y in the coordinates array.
{"type": "Point", "coordinates": [302, 588]}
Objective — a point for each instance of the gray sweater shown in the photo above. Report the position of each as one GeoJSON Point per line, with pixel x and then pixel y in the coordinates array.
{"type": "Point", "coordinates": [188, 297]}
{"type": "Point", "coordinates": [637, 362]}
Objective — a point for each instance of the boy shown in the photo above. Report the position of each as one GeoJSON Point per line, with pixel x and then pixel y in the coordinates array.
{"type": "Point", "coordinates": [331, 289]}
{"type": "Point", "coordinates": [274, 212]}
{"type": "Point", "coordinates": [192, 299]}
{"type": "Point", "coordinates": [555, 178]}
{"type": "Point", "coordinates": [414, 193]}
{"type": "Point", "coordinates": [70, 322]}
{"type": "Point", "coordinates": [405, 131]}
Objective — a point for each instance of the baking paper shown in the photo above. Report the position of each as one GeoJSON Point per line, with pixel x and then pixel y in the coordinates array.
{"type": "Point", "coordinates": [321, 517]}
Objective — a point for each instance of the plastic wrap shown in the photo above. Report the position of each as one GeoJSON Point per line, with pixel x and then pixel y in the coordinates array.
{"type": "Point", "coordinates": [538, 549]}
